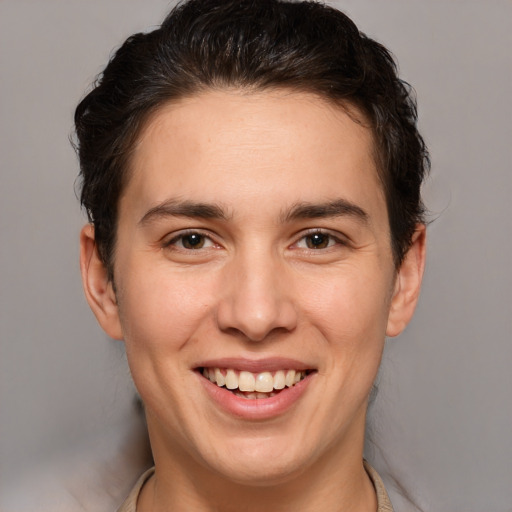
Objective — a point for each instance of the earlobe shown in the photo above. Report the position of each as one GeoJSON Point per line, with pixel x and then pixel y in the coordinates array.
{"type": "Point", "coordinates": [408, 284]}
{"type": "Point", "coordinates": [98, 288]}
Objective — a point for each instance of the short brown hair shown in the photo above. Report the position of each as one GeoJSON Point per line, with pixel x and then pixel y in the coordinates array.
{"type": "Point", "coordinates": [253, 44]}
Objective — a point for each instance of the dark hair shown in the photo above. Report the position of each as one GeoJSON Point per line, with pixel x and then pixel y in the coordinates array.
{"type": "Point", "coordinates": [250, 44]}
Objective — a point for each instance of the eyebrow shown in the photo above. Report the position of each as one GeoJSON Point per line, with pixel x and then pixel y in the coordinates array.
{"type": "Point", "coordinates": [334, 208]}
{"type": "Point", "coordinates": [302, 210]}
{"type": "Point", "coordinates": [180, 208]}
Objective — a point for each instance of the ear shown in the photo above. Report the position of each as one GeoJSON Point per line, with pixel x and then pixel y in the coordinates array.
{"type": "Point", "coordinates": [99, 290]}
{"type": "Point", "coordinates": [407, 284]}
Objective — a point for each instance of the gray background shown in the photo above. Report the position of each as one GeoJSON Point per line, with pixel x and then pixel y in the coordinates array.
{"type": "Point", "coordinates": [440, 429]}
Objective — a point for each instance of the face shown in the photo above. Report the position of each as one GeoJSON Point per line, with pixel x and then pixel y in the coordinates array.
{"type": "Point", "coordinates": [253, 250]}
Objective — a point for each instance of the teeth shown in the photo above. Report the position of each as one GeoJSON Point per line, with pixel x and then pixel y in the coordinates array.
{"type": "Point", "coordinates": [246, 381]}
{"type": "Point", "coordinates": [290, 378]}
{"type": "Point", "coordinates": [231, 379]}
{"type": "Point", "coordinates": [279, 380]}
{"type": "Point", "coordinates": [219, 378]}
{"type": "Point", "coordinates": [264, 382]}
{"type": "Point", "coordinates": [253, 396]}
{"type": "Point", "coordinates": [252, 386]}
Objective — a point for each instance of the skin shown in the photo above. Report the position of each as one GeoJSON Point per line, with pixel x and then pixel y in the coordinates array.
{"type": "Point", "coordinates": [255, 288]}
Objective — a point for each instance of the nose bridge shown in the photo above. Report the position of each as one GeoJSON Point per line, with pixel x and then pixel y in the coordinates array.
{"type": "Point", "coordinates": [257, 298]}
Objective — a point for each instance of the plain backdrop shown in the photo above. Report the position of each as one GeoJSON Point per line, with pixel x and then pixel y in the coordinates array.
{"type": "Point", "coordinates": [440, 427]}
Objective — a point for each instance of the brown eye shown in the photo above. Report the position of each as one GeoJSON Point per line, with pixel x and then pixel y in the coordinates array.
{"type": "Point", "coordinates": [190, 241]}
{"type": "Point", "coordinates": [193, 241]}
{"type": "Point", "coordinates": [318, 241]}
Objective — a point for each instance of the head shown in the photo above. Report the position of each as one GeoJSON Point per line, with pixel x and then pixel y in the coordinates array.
{"type": "Point", "coordinates": [252, 174]}
{"type": "Point", "coordinates": [252, 46]}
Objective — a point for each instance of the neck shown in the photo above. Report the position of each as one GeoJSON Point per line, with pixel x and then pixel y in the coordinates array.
{"type": "Point", "coordinates": [336, 482]}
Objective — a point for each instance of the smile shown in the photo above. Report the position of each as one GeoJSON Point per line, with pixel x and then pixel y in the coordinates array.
{"type": "Point", "coordinates": [253, 386]}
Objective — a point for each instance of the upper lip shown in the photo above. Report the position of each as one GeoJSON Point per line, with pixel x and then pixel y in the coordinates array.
{"type": "Point", "coordinates": [270, 364]}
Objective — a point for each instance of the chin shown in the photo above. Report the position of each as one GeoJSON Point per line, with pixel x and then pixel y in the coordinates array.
{"type": "Point", "coordinates": [260, 474]}
{"type": "Point", "coordinates": [261, 463]}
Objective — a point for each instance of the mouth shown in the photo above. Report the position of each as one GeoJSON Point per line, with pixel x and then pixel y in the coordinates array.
{"type": "Point", "coordinates": [253, 386]}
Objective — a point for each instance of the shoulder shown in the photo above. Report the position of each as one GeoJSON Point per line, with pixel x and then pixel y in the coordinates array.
{"type": "Point", "coordinates": [130, 504]}
{"type": "Point", "coordinates": [384, 504]}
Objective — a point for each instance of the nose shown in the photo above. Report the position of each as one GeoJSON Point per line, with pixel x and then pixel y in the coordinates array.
{"type": "Point", "coordinates": [256, 299]}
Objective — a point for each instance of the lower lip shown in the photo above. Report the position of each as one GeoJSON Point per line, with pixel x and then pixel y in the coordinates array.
{"type": "Point", "coordinates": [258, 408]}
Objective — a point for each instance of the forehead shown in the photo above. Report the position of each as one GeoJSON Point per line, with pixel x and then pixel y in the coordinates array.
{"type": "Point", "coordinates": [267, 147]}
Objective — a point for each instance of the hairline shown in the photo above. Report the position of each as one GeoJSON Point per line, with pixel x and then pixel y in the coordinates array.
{"type": "Point", "coordinates": [348, 105]}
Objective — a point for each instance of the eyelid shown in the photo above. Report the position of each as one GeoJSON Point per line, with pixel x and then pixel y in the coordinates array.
{"type": "Point", "coordinates": [338, 237]}
{"type": "Point", "coordinates": [176, 236]}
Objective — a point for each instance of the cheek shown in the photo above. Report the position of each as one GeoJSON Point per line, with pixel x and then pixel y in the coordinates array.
{"type": "Point", "coordinates": [352, 306]}
{"type": "Point", "coordinates": [160, 310]}
{"type": "Point", "coordinates": [350, 313]}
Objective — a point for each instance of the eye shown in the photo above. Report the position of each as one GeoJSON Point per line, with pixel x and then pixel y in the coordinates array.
{"type": "Point", "coordinates": [317, 240]}
{"type": "Point", "coordinates": [190, 241]}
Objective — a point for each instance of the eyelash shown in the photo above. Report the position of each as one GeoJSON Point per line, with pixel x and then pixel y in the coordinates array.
{"type": "Point", "coordinates": [332, 240]}
{"type": "Point", "coordinates": [336, 240]}
{"type": "Point", "coordinates": [182, 235]}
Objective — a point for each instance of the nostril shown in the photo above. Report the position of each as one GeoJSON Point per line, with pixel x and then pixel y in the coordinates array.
{"type": "Point", "coordinates": [256, 307]}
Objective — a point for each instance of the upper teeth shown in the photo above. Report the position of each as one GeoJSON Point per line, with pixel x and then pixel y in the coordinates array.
{"type": "Point", "coordinates": [263, 382]}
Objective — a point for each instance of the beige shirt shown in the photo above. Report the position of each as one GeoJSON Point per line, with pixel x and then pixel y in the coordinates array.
{"type": "Point", "coordinates": [383, 503]}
